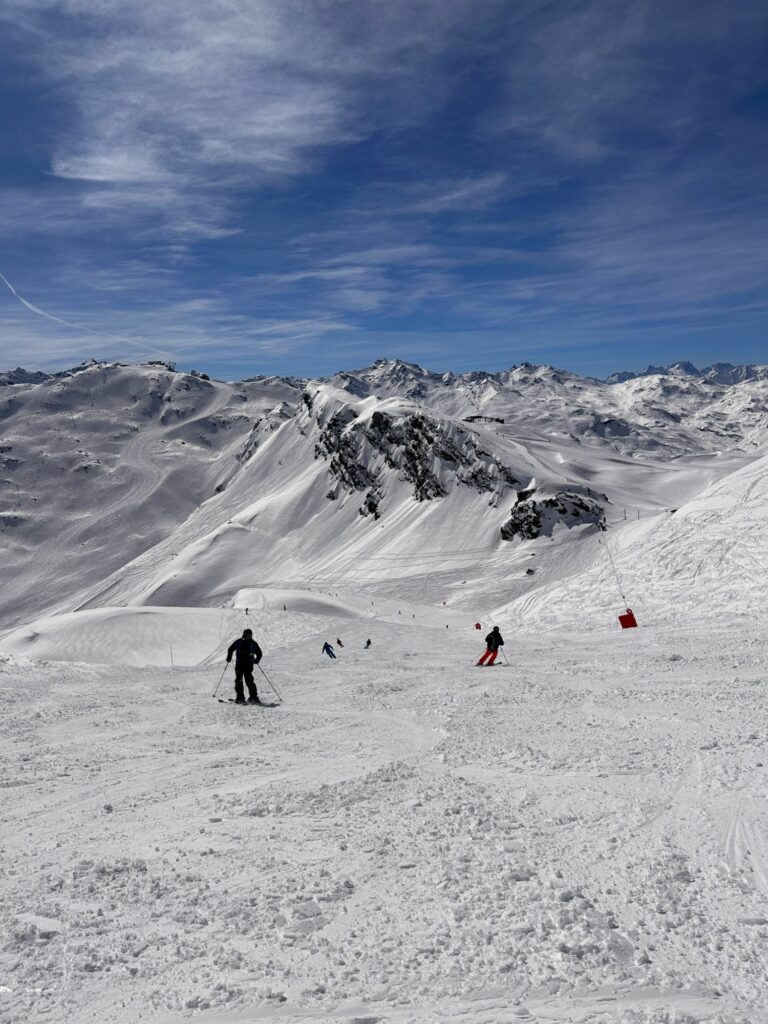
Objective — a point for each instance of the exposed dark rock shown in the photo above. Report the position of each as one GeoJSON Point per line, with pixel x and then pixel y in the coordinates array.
{"type": "Point", "coordinates": [418, 448]}
{"type": "Point", "coordinates": [531, 519]}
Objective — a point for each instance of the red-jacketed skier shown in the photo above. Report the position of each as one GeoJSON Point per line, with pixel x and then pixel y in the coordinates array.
{"type": "Point", "coordinates": [493, 642]}
{"type": "Point", "coordinates": [247, 654]}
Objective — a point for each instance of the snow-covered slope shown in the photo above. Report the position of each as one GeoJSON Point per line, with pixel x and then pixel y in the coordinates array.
{"type": "Point", "coordinates": [141, 485]}
{"type": "Point", "coordinates": [579, 835]}
{"type": "Point", "coordinates": [100, 465]}
{"type": "Point", "coordinates": [709, 555]}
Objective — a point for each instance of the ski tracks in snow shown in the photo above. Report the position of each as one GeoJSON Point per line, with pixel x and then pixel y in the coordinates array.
{"type": "Point", "coordinates": [575, 838]}
{"type": "Point", "coordinates": [744, 849]}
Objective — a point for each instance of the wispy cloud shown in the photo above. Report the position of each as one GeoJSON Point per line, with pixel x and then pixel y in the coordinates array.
{"type": "Point", "coordinates": [477, 192]}
{"type": "Point", "coordinates": [591, 81]}
{"type": "Point", "coordinates": [170, 99]}
{"type": "Point", "coordinates": [275, 175]}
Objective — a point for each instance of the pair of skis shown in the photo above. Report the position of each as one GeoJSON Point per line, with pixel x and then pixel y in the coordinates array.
{"type": "Point", "coordinates": [231, 700]}
{"type": "Point", "coordinates": [253, 703]}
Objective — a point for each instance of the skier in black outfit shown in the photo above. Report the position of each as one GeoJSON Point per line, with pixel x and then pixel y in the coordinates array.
{"type": "Point", "coordinates": [493, 642]}
{"type": "Point", "coordinates": [247, 654]}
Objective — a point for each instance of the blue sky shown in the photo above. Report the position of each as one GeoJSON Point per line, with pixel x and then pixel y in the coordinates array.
{"type": "Point", "coordinates": [300, 186]}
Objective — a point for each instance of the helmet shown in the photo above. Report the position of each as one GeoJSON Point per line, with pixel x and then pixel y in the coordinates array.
{"type": "Point", "coordinates": [247, 632]}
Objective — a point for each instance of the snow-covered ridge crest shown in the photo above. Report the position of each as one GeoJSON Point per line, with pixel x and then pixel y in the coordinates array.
{"type": "Point", "coordinates": [141, 484]}
{"type": "Point", "coordinates": [717, 373]}
{"type": "Point", "coordinates": [667, 414]}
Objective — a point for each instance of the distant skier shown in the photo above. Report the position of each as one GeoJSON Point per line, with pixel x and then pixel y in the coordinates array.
{"type": "Point", "coordinates": [339, 643]}
{"type": "Point", "coordinates": [247, 654]}
{"type": "Point", "coordinates": [327, 649]}
{"type": "Point", "coordinates": [367, 644]}
{"type": "Point", "coordinates": [493, 642]}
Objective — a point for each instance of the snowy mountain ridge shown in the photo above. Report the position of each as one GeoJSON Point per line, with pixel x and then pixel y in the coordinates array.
{"type": "Point", "coordinates": [717, 373]}
{"type": "Point", "coordinates": [124, 484]}
{"type": "Point", "coordinates": [398, 370]}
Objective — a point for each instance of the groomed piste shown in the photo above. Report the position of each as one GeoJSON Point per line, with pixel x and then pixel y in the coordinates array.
{"type": "Point", "coordinates": [576, 834]}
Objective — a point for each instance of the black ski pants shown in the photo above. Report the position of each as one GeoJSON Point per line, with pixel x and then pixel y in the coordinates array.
{"type": "Point", "coordinates": [245, 672]}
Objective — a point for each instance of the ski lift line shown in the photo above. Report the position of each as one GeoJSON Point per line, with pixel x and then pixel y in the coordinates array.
{"type": "Point", "coordinates": [615, 571]}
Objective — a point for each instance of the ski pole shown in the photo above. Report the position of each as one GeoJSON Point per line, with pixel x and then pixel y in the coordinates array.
{"type": "Point", "coordinates": [505, 655]}
{"type": "Point", "coordinates": [219, 682]}
{"type": "Point", "coordinates": [270, 683]}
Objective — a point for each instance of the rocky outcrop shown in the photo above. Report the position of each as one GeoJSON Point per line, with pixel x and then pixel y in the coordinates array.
{"type": "Point", "coordinates": [430, 455]}
{"type": "Point", "coordinates": [535, 517]}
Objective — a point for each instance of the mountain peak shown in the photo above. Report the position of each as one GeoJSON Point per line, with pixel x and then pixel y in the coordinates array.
{"type": "Point", "coordinates": [22, 376]}
{"type": "Point", "coordinates": [408, 378]}
{"type": "Point", "coordinates": [717, 373]}
{"type": "Point", "coordinates": [396, 368]}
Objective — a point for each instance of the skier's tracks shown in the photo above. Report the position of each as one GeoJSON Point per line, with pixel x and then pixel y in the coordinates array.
{"type": "Point", "coordinates": [744, 852]}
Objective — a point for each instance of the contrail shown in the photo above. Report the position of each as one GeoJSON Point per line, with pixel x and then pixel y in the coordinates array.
{"type": "Point", "coordinates": [41, 312]}
{"type": "Point", "coordinates": [59, 320]}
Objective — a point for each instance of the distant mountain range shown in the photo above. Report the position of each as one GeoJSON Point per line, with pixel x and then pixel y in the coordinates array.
{"type": "Point", "coordinates": [717, 373]}
{"type": "Point", "coordinates": [124, 484]}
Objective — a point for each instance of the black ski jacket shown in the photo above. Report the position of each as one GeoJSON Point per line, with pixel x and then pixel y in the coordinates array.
{"type": "Point", "coordinates": [494, 641]}
{"type": "Point", "coordinates": [247, 653]}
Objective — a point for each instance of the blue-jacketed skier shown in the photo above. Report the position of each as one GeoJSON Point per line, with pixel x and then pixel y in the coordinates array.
{"type": "Point", "coordinates": [327, 649]}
